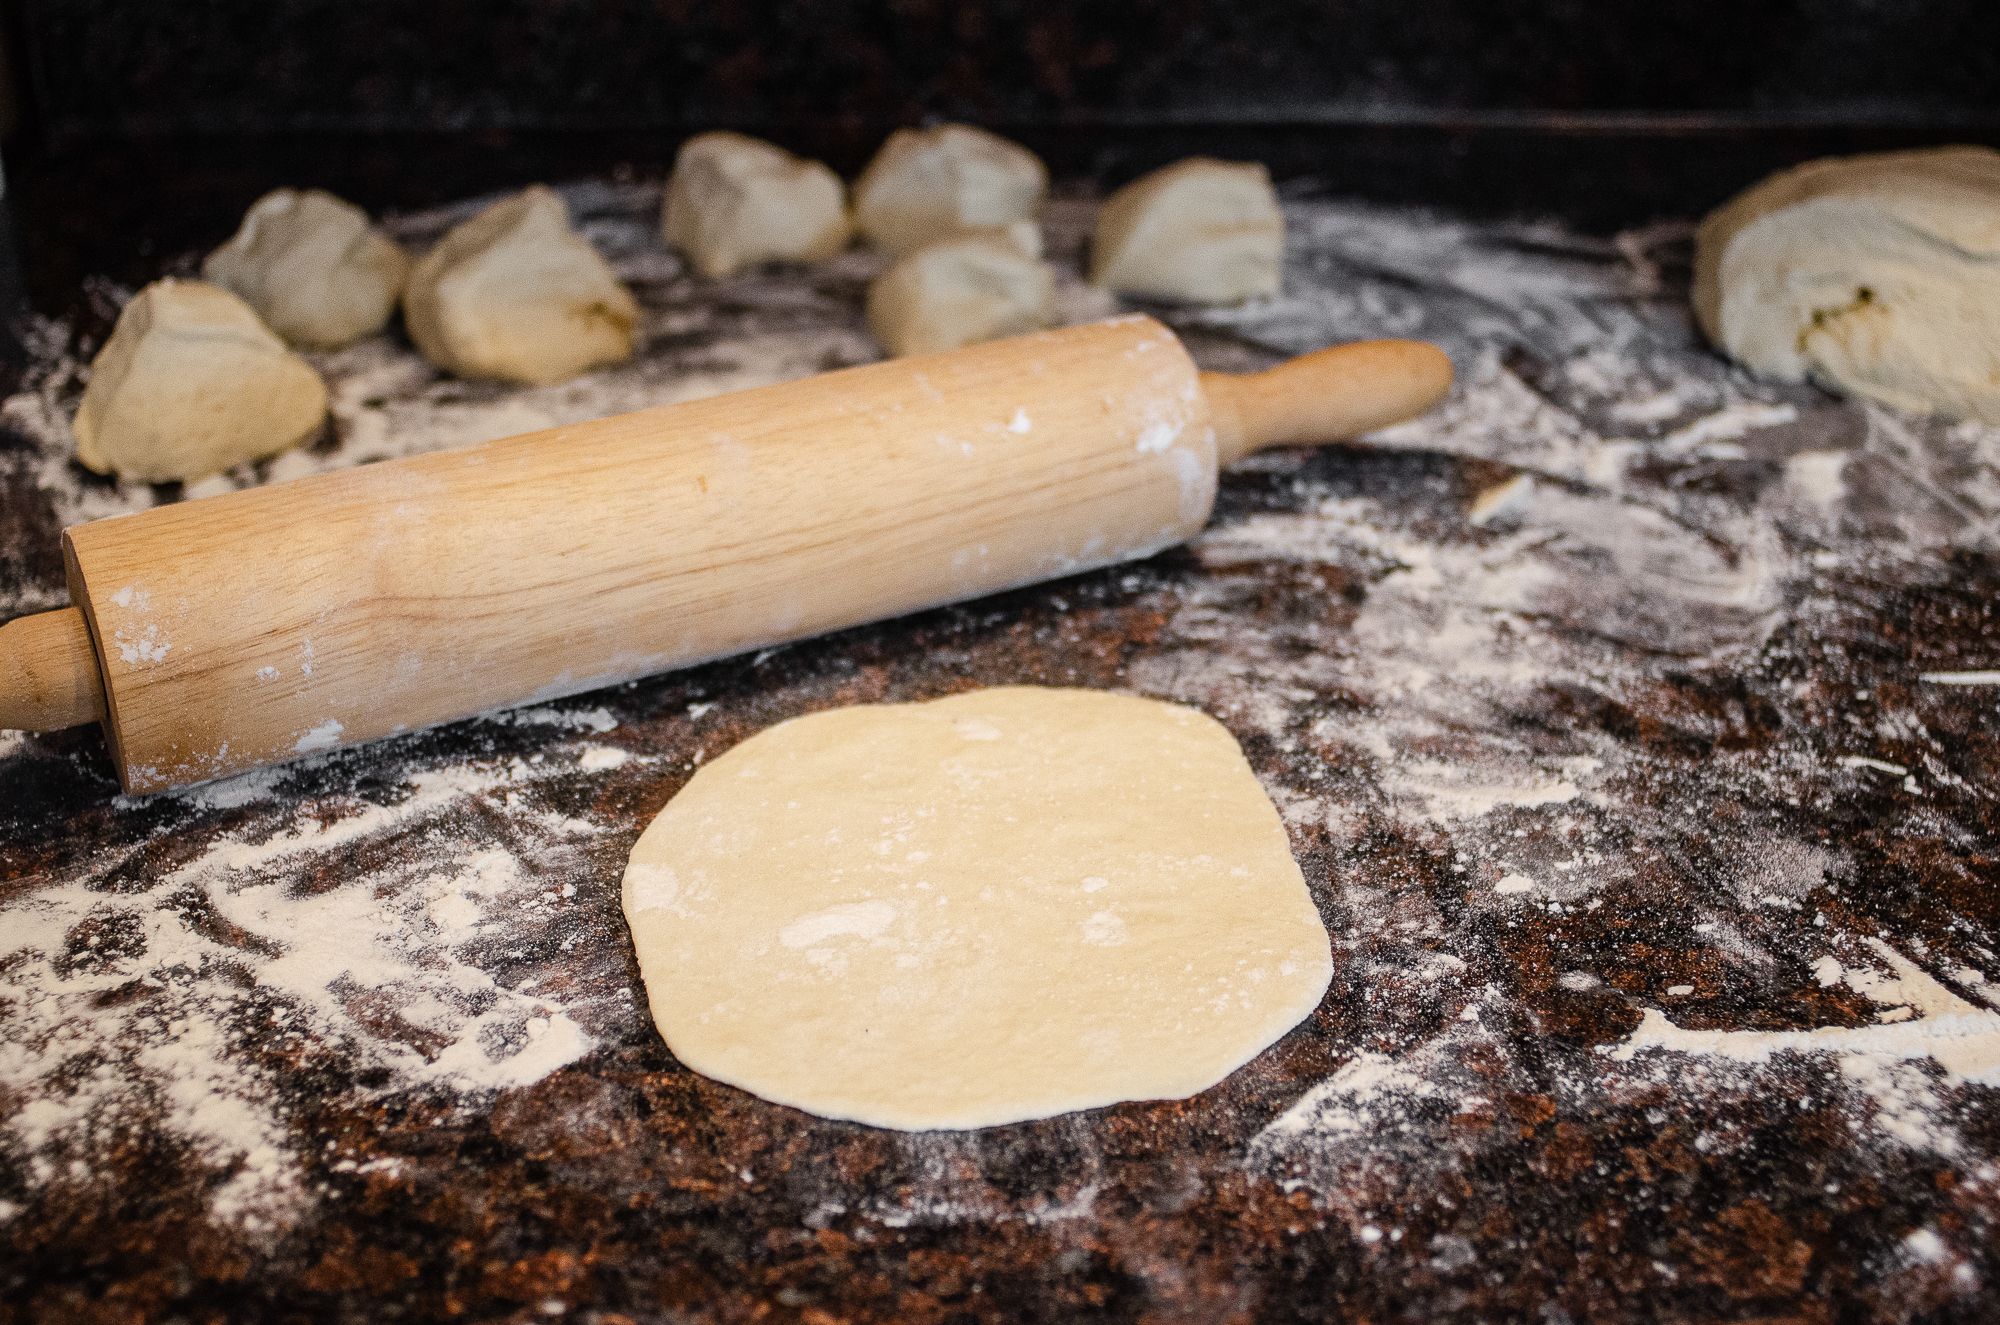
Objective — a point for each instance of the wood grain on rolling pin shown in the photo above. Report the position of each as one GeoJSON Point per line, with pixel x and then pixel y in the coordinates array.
{"type": "Point", "coordinates": [250, 628]}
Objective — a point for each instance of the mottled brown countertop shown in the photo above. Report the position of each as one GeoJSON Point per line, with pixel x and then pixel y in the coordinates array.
{"type": "Point", "coordinates": [1661, 879]}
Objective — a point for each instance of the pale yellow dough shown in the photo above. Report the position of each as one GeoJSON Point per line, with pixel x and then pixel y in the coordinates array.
{"type": "Point", "coordinates": [734, 201]}
{"type": "Point", "coordinates": [515, 293]}
{"type": "Point", "coordinates": [929, 184]}
{"type": "Point", "coordinates": [974, 287]}
{"type": "Point", "coordinates": [1000, 906]}
{"type": "Point", "coordinates": [1877, 275]}
{"type": "Point", "coordinates": [313, 267]}
{"type": "Point", "coordinates": [189, 384]}
{"type": "Point", "coordinates": [1197, 232]}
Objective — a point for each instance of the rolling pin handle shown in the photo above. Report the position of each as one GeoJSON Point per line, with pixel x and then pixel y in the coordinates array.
{"type": "Point", "coordinates": [48, 673]}
{"type": "Point", "coordinates": [1329, 395]}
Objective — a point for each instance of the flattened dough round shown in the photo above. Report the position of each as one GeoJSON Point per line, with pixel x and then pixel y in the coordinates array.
{"type": "Point", "coordinates": [984, 909]}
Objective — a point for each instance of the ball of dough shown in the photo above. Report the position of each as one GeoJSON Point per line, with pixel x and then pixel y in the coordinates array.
{"type": "Point", "coordinates": [734, 201]}
{"type": "Point", "coordinates": [515, 294]}
{"type": "Point", "coordinates": [999, 906]}
{"type": "Point", "coordinates": [978, 286]}
{"type": "Point", "coordinates": [1197, 232]}
{"type": "Point", "coordinates": [313, 267]}
{"type": "Point", "coordinates": [190, 383]}
{"type": "Point", "coordinates": [928, 184]}
{"type": "Point", "coordinates": [1878, 275]}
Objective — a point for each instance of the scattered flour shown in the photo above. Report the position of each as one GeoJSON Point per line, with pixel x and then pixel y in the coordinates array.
{"type": "Point", "coordinates": [150, 989]}
{"type": "Point", "coordinates": [598, 720]}
{"type": "Point", "coordinates": [603, 758]}
{"type": "Point", "coordinates": [1365, 1096]}
{"type": "Point", "coordinates": [431, 935]}
{"type": "Point", "coordinates": [323, 737]}
{"type": "Point", "coordinates": [1921, 1021]}
{"type": "Point", "coordinates": [850, 920]}
{"type": "Point", "coordinates": [1605, 572]}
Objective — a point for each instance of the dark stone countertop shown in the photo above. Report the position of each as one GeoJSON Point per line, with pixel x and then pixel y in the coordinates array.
{"type": "Point", "coordinates": [1661, 882]}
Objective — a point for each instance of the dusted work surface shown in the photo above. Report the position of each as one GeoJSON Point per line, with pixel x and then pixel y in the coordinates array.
{"type": "Point", "coordinates": [1633, 722]}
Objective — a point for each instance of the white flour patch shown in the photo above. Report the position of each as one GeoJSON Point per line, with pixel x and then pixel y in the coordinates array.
{"type": "Point", "coordinates": [1363, 1098]}
{"type": "Point", "coordinates": [1725, 425]}
{"type": "Point", "coordinates": [1377, 1122]}
{"type": "Point", "coordinates": [603, 758]}
{"type": "Point", "coordinates": [1447, 791]}
{"type": "Point", "coordinates": [1104, 929]}
{"type": "Point", "coordinates": [1879, 765]}
{"type": "Point", "coordinates": [323, 737]}
{"type": "Point", "coordinates": [1976, 678]}
{"type": "Point", "coordinates": [948, 1186]}
{"type": "Point", "coordinates": [597, 720]}
{"type": "Point", "coordinates": [1920, 1022]}
{"type": "Point", "coordinates": [1818, 476]}
{"type": "Point", "coordinates": [852, 919]}
{"type": "Point", "coordinates": [145, 646]}
{"type": "Point", "coordinates": [149, 989]}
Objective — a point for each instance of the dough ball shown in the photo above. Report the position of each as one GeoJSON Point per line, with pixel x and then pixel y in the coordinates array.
{"type": "Point", "coordinates": [515, 294]}
{"type": "Point", "coordinates": [980, 910]}
{"type": "Point", "coordinates": [734, 201]}
{"type": "Point", "coordinates": [1877, 275]}
{"type": "Point", "coordinates": [1196, 232]}
{"type": "Point", "coordinates": [190, 383]}
{"type": "Point", "coordinates": [313, 267]}
{"type": "Point", "coordinates": [928, 184]}
{"type": "Point", "coordinates": [979, 286]}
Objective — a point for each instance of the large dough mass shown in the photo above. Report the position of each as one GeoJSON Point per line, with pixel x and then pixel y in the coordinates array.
{"type": "Point", "coordinates": [984, 909]}
{"type": "Point", "coordinates": [1877, 275]}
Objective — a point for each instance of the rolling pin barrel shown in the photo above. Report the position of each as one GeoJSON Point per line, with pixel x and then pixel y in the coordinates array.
{"type": "Point", "coordinates": [253, 627]}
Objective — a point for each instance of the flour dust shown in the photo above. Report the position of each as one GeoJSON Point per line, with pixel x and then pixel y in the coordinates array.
{"type": "Point", "coordinates": [1523, 635]}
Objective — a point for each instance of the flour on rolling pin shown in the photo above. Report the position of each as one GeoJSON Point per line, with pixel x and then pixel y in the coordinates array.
{"type": "Point", "coordinates": [345, 607]}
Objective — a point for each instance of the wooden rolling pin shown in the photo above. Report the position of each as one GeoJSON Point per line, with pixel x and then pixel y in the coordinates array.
{"type": "Point", "coordinates": [216, 635]}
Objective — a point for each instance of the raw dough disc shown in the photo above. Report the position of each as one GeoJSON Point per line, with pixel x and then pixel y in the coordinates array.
{"type": "Point", "coordinates": [978, 910]}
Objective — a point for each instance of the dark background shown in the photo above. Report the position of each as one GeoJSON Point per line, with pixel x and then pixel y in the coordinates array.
{"type": "Point", "coordinates": [140, 128]}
